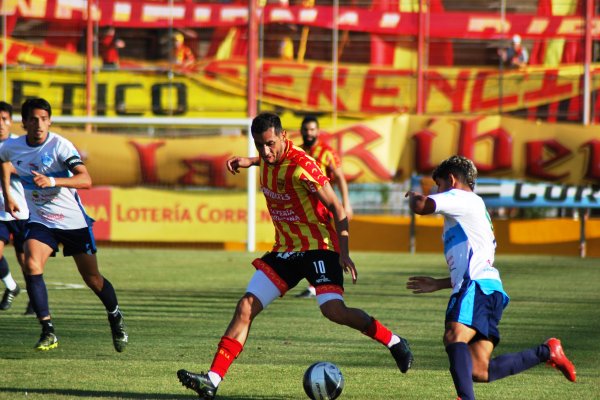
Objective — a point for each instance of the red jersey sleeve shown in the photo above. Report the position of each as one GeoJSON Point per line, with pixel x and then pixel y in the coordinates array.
{"type": "Point", "coordinates": [312, 177]}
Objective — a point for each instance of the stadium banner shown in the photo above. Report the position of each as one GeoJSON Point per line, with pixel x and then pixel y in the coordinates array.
{"type": "Point", "coordinates": [385, 149]}
{"type": "Point", "coordinates": [97, 202]}
{"type": "Point", "coordinates": [183, 216]}
{"type": "Point", "coordinates": [519, 194]}
{"type": "Point", "coordinates": [125, 94]}
{"type": "Point", "coordinates": [505, 147]}
{"type": "Point", "coordinates": [20, 52]}
{"type": "Point", "coordinates": [511, 193]}
{"type": "Point", "coordinates": [216, 88]}
{"type": "Point", "coordinates": [186, 216]}
{"type": "Point", "coordinates": [119, 160]}
{"type": "Point", "coordinates": [155, 14]}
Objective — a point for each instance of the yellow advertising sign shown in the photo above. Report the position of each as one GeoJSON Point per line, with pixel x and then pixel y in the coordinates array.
{"type": "Point", "coordinates": [170, 216]}
{"type": "Point", "coordinates": [184, 216]}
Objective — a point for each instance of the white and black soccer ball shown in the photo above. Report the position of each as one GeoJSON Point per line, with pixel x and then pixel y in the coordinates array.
{"type": "Point", "coordinates": [323, 381]}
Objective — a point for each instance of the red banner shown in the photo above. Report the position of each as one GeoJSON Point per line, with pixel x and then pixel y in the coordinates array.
{"type": "Point", "coordinates": [155, 14]}
{"type": "Point", "coordinates": [98, 203]}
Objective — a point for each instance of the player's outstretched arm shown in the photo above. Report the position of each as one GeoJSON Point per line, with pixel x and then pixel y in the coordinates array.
{"type": "Point", "coordinates": [235, 163]}
{"type": "Point", "coordinates": [427, 284]}
{"type": "Point", "coordinates": [9, 205]}
{"type": "Point", "coordinates": [419, 203]}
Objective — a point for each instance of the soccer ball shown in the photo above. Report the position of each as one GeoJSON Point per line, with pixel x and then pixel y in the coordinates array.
{"type": "Point", "coordinates": [323, 381]}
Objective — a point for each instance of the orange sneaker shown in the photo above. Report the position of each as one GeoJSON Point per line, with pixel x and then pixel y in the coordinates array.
{"type": "Point", "coordinates": [559, 360]}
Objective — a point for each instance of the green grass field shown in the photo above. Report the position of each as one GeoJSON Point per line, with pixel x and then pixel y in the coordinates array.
{"type": "Point", "coordinates": [177, 304]}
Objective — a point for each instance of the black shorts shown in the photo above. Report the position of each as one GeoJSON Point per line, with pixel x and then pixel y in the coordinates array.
{"type": "Point", "coordinates": [321, 268]}
{"type": "Point", "coordinates": [75, 241]}
{"type": "Point", "coordinates": [16, 228]}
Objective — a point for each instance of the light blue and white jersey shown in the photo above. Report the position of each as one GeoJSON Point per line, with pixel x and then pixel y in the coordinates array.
{"type": "Point", "coordinates": [16, 192]}
{"type": "Point", "coordinates": [469, 242]}
{"type": "Point", "coordinates": [55, 207]}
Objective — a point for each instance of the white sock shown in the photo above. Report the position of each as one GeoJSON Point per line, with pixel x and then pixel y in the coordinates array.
{"type": "Point", "coordinates": [312, 290]}
{"type": "Point", "coordinates": [395, 339]}
{"type": "Point", "coordinates": [9, 282]}
{"type": "Point", "coordinates": [214, 378]}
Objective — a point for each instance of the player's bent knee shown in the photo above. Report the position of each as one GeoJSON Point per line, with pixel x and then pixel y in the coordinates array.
{"type": "Point", "coordinates": [94, 282]}
{"type": "Point", "coordinates": [480, 370]}
{"type": "Point", "coordinates": [33, 268]}
{"type": "Point", "coordinates": [335, 311]}
{"type": "Point", "coordinates": [248, 307]}
{"type": "Point", "coordinates": [480, 376]}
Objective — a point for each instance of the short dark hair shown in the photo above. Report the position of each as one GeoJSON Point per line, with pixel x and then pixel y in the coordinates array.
{"type": "Point", "coordinates": [307, 119]}
{"type": "Point", "coordinates": [461, 167]}
{"type": "Point", "coordinates": [4, 106]}
{"type": "Point", "coordinates": [34, 104]}
{"type": "Point", "coordinates": [264, 121]}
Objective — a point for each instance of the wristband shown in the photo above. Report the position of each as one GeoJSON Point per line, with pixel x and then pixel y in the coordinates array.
{"type": "Point", "coordinates": [52, 181]}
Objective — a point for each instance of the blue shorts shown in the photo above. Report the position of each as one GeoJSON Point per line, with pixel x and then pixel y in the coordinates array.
{"type": "Point", "coordinates": [16, 228]}
{"type": "Point", "coordinates": [74, 241]}
{"type": "Point", "coordinates": [482, 312]}
{"type": "Point", "coordinates": [321, 268]}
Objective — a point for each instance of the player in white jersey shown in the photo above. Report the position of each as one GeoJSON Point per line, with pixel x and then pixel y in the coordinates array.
{"type": "Point", "coordinates": [9, 226]}
{"type": "Point", "coordinates": [51, 170]}
{"type": "Point", "coordinates": [478, 298]}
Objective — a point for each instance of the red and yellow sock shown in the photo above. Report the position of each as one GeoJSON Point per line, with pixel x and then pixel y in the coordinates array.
{"type": "Point", "coordinates": [227, 352]}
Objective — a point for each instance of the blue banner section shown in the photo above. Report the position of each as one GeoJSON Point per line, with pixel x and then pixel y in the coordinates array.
{"type": "Point", "coordinates": [513, 193]}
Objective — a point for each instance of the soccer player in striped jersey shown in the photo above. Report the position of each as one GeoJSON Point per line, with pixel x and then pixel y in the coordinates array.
{"type": "Point", "coordinates": [329, 161]}
{"type": "Point", "coordinates": [478, 297]}
{"type": "Point", "coordinates": [327, 158]}
{"type": "Point", "coordinates": [309, 244]}
{"type": "Point", "coordinates": [52, 170]}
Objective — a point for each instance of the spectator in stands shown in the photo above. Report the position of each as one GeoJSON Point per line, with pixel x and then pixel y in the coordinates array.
{"type": "Point", "coordinates": [182, 54]}
{"type": "Point", "coordinates": [515, 56]}
{"type": "Point", "coordinates": [109, 48]}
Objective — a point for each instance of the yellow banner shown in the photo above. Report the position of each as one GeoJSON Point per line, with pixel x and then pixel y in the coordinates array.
{"type": "Point", "coordinates": [371, 150]}
{"type": "Point", "coordinates": [217, 88]}
{"type": "Point", "coordinates": [364, 90]}
{"type": "Point", "coordinates": [184, 216]}
{"type": "Point", "coordinates": [125, 94]}
{"type": "Point", "coordinates": [380, 150]}
{"type": "Point", "coordinates": [120, 160]}
{"type": "Point", "coordinates": [506, 147]}
{"type": "Point", "coordinates": [180, 216]}
{"type": "Point", "coordinates": [28, 54]}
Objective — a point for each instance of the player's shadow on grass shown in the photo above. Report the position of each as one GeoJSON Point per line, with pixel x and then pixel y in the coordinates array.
{"type": "Point", "coordinates": [124, 395]}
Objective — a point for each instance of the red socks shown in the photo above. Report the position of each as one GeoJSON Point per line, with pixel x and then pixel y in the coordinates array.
{"type": "Point", "coordinates": [227, 352]}
{"type": "Point", "coordinates": [229, 348]}
{"type": "Point", "coordinates": [379, 332]}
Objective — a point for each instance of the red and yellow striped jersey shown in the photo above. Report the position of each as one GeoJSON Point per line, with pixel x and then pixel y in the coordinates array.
{"type": "Point", "coordinates": [301, 221]}
{"type": "Point", "coordinates": [326, 157]}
